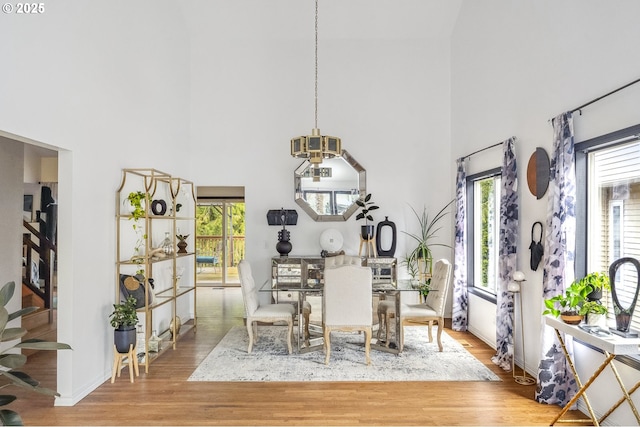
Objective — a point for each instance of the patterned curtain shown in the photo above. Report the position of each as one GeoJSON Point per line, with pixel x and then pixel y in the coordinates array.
{"type": "Point", "coordinates": [507, 256]}
{"type": "Point", "coordinates": [460, 297]}
{"type": "Point", "coordinates": [556, 384]}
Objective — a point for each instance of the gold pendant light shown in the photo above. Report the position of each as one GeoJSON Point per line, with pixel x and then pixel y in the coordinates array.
{"type": "Point", "coordinates": [316, 147]}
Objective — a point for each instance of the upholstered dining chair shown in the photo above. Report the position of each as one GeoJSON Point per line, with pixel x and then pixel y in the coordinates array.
{"type": "Point", "coordinates": [338, 260]}
{"type": "Point", "coordinates": [347, 304]}
{"type": "Point", "coordinates": [257, 312]}
{"type": "Point", "coordinates": [432, 311]}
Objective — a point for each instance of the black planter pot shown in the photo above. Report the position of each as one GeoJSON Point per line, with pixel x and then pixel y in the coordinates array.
{"type": "Point", "coordinates": [366, 232]}
{"type": "Point", "coordinates": [123, 337]}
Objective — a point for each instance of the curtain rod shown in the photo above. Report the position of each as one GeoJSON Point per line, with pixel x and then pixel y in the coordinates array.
{"type": "Point", "coordinates": [480, 150]}
{"type": "Point", "coordinates": [602, 96]}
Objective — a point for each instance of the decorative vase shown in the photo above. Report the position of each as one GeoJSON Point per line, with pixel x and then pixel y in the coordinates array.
{"type": "Point", "coordinates": [571, 319]}
{"type": "Point", "coordinates": [159, 207]}
{"type": "Point", "coordinates": [623, 315]}
{"type": "Point", "coordinates": [167, 244]}
{"type": "Point", "coordinates": [283, 246]}
{"type": "Point", "coordinates": [366, 232]}
{"type": "Point", "coordinates": [594, 319]}
{"type": "Point", "coordinates": [392, 249]}
{"type": "Point", "coordinates": [123, 337]}
{"type": "Point", "coordinates": [182, 244]}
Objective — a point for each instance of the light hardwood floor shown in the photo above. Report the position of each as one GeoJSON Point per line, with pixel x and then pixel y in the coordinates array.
{"type": "Point", "coordinates": [164, 397]}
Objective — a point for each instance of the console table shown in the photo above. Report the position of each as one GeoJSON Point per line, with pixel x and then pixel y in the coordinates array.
{"type": "Point", "coordinates": [611, 345]}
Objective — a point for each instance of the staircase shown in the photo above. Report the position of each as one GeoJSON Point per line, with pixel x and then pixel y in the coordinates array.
{"type": "Point", "coordinates": [38, 291]}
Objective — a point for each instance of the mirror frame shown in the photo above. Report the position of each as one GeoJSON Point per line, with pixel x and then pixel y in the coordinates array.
{"type": "Point", "coordinates": [297, 185]}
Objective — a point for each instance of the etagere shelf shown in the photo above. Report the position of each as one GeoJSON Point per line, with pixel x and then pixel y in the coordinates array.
{"type": "Point", "coordinates": [147, 246]}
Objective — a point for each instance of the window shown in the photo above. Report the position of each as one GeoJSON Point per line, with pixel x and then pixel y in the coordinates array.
{"type": "Point", "coordinates": [483, 228]}
{"type": "Point", "coordinates": [608, 211]}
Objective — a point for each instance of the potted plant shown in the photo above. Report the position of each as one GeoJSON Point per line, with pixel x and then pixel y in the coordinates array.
{"type": "Point", "coordinates": [367, 206]}
{"type": "Point", "coordinates": [595, 312]}
{"type": "Point", "coordinates": [598, 281]}
{"type": "Point", "coordinates": [412, 269]}
{"type": "Point", "coordinates": [10, 361]}
{"type": "Point", "coordinates": [421, 256]}
{"type": "Point", "coordinates": [568, 305]}
{"type": "Point", "coordinates": [124, 319]}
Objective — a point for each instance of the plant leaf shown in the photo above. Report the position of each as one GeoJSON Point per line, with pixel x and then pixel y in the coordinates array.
{"type": "Point", "coordinates": [22, 312]}
{"type": "Point", "coordinates": [4, 318]}
{"type": "Point", "coordinates": [43, 345]}
{"type": "Point", "coordinates": [13, 361]}
{"type": "Point", "coordinates": [13, 334]}
{"type": "Point", "coordinates": [5, 399]}
{"type": "Point", "coordinates": [6, 293]}
{"type": "Point", "coordinates": [25, 381]}
{"type": "Point", "coordinates": [10, 418]}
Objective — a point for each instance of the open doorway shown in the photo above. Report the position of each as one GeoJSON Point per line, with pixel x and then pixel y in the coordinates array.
{"type": "Point", "coordinates": [220, 235]}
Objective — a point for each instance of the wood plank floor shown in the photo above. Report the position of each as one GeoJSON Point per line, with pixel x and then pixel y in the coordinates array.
{"type": "Point", "coordinates": [164, 397]}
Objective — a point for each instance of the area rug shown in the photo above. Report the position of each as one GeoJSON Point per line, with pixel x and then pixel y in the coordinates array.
{"type": "Point", "coordinates": [270, 361]}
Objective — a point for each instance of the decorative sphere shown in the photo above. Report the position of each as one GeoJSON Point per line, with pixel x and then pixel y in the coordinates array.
{"type": "Point", "coordinates": [518, 276]}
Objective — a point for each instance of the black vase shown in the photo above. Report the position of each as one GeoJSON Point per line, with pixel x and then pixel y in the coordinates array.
{"type": "Point", "coordinates": [623, 315]}
{"type": "Point", "coordinates": [283, 246]}
{"type": "Point", "coordinates": [392, 250]}
{"type": "Point", "coordinates": [123, 337]}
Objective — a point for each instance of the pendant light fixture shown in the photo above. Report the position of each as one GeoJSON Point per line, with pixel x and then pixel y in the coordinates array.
{"type": "Point", "coordinates": [316, 147]}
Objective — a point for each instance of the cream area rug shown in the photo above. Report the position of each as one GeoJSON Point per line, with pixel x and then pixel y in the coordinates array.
{"type": "Point", "coordinates": [270, 361]}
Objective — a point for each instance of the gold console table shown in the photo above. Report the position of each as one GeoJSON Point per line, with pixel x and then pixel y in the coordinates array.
{"type": "Point", "coordinates": [611, 346]}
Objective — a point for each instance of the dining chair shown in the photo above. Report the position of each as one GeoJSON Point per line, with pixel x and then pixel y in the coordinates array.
{"type": "Point", "coordinates": [338, 260]}
{"type": "Point", "coordinates": [347, 304]}
{"type": "Point", "coordinates": [257, 312]}
{"type": "Point", "coordinates": [430, 312]}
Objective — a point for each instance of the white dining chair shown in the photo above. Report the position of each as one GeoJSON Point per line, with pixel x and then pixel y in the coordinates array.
{"type": "Point", "coordinates": [347, 304]}
{"type": "Point", "coordinates": [257, 312]}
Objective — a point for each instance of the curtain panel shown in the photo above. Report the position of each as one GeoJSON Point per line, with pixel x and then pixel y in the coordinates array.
{"type": "Point", "coordinates": [556, 383]}
{"type": "Point", "coordinates": [507, 259]}
{"type": "Point", "coordinates": [460, 296]}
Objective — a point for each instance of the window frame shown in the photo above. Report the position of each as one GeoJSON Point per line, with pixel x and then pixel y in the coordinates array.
{"type": "Point", "coordinates": [582, 150]}
{"type": "Point", "coordinates": [470, 219]}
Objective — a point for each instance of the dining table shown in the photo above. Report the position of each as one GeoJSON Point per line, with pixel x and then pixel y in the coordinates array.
{"type": "Point", "coordinates": [298, 293]}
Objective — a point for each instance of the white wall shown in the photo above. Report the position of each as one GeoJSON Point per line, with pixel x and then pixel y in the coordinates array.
{"type": "Point", "coordinates": [515, 65]}
{"type": "Point", "coordinates": [106, 82]}
{"type": "Point", "coordinates": [384, 89]}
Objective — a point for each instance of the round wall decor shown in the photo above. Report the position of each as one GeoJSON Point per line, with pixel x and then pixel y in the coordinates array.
{"type": "Point", "coordinates": [538, 171]}
{"type": "Point", "coordinates": [159, 207]}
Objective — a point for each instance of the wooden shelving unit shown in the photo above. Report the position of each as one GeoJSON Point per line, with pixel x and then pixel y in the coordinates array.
{"type": "Point", "coordinates": [169, 275]}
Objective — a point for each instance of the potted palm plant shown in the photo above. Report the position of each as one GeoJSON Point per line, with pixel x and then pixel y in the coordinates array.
{"type": "Point", "coordinates": [421, 256]}
{"type": "Point", "coordinates": [124, 319]}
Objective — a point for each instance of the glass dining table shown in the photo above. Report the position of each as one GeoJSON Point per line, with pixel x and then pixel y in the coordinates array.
{"type": "Point", "coordinates": [297, 294]}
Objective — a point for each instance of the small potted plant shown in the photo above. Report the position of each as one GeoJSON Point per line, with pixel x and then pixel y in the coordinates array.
{"type": "Point", "coordinates": [595, 312]}
{"type": "Point", "coordinates": [568, 305]}
{"type": "Point", "coordinates": [367, 206]}
{"type": "Point", "coordinates": [598, 281]}
{"type": "Point", "coordinates": [135, 199]}
{"type": "Point", "coordinates": [124, 319]}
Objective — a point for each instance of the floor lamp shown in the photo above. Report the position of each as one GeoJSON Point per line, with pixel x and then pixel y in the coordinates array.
{"type": "Point", "coordinates": [514, 287]}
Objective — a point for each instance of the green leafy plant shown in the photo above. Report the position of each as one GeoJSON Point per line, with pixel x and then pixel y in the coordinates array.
{"type": "Point", "coordinates": [135, 198]}
{"type": "Point", "coordinates": [412, 267]}
{"type": "Point", "coordinates": [367, 206]}
{"type": "Point", "coordinates": [592, 307]}
{"type": "Point", "coordinates": [124, 314]}
{"type": "Point", "coordinates": [11, 361]}
{"type": "Point", "coordinates": [569, 302]}
{"type": "Point", "coordinates": [597, 281]}
{"type": "Point", "coordinates": [424, 239]}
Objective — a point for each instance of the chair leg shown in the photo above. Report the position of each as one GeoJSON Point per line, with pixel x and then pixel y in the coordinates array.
{"type": "Point", "coordinates": [307, 335]}
{"type": "Point", "coordinates": [289, 333]}
{"type": "Point", "coordinates": [367, 345]}
{"type": "Point", "coordinates": [250, 331]}
{"type": "Point", "coordinates": [429, 327]}
{"type": "Point", "coordinates": [386, 329]}
{"type": "Point", "coordinates": [327, 345]}
{"type": "Point", "coordinates": [379, 323]}
{"type": "Point", "coordinates": [440, 327]}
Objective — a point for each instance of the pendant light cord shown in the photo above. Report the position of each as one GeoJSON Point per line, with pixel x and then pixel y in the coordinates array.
{"type": "Point", "coordinates": [316, 75]}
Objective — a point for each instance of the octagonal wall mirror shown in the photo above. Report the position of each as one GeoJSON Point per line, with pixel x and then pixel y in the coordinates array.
{"type": "Point", "coordinates": [328, 191]}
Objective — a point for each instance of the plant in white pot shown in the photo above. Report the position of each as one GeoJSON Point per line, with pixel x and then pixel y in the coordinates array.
{"type": "Point", "coordinates": [595, 312]}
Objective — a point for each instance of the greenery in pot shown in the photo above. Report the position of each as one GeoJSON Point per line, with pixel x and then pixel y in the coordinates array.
{"type": "Point", "coordinates": [598, 282]}
{"type": "Point", "coordinates": [424, 239]}
{"type": "Point", "coordinates": [367, 206]}
{"type": "Point", "coordinates": [10, 361]}
{"type": "Point", "coordinates": [135, 199]}
{"type": "Point", "coordinates": [593, 307]}
{"type": "Point", "coordinates": [570, 302]}
{"type": "Point", "coordinates": [124, 314]}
